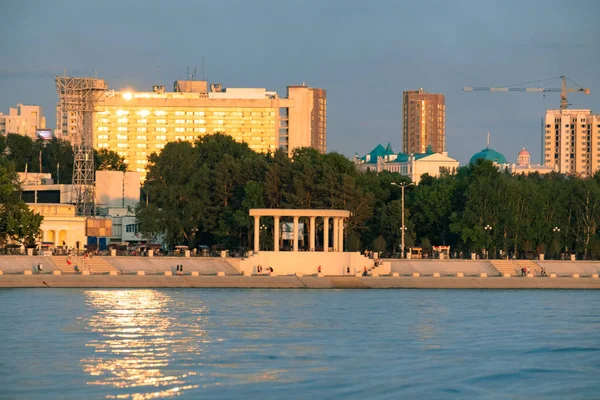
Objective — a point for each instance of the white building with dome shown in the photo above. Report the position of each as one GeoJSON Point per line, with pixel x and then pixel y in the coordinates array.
{"type": "Point", "coordinates": [524, 166]}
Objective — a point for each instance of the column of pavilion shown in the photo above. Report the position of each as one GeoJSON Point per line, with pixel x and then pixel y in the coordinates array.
{"type": "Point", "coordinates": [337, 220]}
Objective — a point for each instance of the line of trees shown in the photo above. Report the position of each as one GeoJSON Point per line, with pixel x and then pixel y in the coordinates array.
{"type": "Point", "coordinates": [200, 193]}
{"type": "Point", "coordinates": [57, 156]}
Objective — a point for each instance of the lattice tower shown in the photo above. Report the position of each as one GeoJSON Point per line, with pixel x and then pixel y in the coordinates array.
{"type": "Point", "coordinates": [78, 97]}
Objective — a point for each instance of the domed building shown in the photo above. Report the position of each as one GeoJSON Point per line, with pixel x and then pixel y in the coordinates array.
{"type": "Point", "coordinates": [523, 158]}
{"type": "Point", "coordinates": [524, 166]}
{"type": "Point", "coordinates": [490, 155]}
{"type": "Point", "coordinates": [411, 165]}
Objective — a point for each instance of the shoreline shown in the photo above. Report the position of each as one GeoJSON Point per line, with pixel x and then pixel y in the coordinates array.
{"type": "Point", "coordinates": [291, 282]}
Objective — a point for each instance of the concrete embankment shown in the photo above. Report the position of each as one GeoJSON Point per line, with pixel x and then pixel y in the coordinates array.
{"type": "Point", "coordinates": [290, 282]}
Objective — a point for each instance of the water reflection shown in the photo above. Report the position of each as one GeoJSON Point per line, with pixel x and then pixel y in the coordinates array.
{"type": "Point", "coordinates": [142, 343]}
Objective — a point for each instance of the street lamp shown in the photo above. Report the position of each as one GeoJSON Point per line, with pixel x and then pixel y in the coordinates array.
{"type": "Point", "coordinates": [263, 229]}
{"type": "Point", "coordinates": [402, 185]}
{"type": "Point", "coordinates": [488, 229]}
{"type": "Point", "coordinates": [556, 230]}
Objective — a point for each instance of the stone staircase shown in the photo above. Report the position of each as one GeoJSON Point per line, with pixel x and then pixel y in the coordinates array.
{"type": "Point", "coordinates": [532, 266]}
{"type": "Point", "coordinates": [505, 266]}
{"type": "Point", "coordinates": [61, 264]}
{"type": "Point", "coordinates": [94, 265]}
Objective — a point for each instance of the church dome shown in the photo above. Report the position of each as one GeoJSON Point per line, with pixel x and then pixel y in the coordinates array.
{"type": "Point", "coordinates": [523, 158]}
{"type": "Point", "coordinates": [523, 152]}
{"type": "Point", "coordinates": [490, 155]}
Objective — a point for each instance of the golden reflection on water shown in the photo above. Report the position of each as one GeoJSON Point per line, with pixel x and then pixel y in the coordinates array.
{"type": "Point", "coordinates": [141, 344]}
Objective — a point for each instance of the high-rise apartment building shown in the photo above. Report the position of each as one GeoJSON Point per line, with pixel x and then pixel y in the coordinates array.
{"type": "Point", "coordinates": [424, 122]}
{"type": "Point", "coordinates": [571, 141]}
{"type": "Point", "coordinates": [136, 124]}
{"type": "Point", "coordinates": [23, 120]}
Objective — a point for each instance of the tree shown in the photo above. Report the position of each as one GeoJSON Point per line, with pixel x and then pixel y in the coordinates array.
{"type": "Point", "coordinates": [17, 222]}
{"type": "Point", "coordinates": [108, 160]}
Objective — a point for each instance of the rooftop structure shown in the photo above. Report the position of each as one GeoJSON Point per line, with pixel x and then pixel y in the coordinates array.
{"type": "Point", "coordinates": [490, 155]}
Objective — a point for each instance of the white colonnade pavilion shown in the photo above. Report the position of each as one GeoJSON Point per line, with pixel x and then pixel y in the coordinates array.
{"type": "Point", "coordinates": [336, 216]}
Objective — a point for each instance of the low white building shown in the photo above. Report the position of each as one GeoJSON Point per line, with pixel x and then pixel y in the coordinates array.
{"type": "Point", "coordinates": [117, 195]}
{"type": "Point", "coordinates": [410, 165]}
{"type": "Point", "coordinates": [60, 226]}
{"type": "Point", "coordinates": [524, 165]}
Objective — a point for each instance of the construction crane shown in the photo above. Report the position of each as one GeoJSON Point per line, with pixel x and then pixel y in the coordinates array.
{"type": "Point", "coordinates": [564, 104]}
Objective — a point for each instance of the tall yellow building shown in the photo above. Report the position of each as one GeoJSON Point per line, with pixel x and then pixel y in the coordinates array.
{"type": "Point", "coordinates": [571, 142]}
{"type": "Point", "coordinates": [423, 122]}
{"type": "Point", "coordinates": [137, 124]}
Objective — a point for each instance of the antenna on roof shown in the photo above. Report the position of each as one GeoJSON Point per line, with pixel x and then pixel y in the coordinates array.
{"type": "Point", "coordinates": [203, 77]}
{"type": "Point", "coordinates": [191, 75]}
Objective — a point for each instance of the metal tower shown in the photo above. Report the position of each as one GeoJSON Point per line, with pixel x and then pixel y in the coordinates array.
{"type": "Point", "coordinates": [78, 96]}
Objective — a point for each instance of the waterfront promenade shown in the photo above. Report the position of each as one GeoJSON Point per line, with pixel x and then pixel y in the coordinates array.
{"type": "Point", "coordinates": [199, 272]}
{"type": "Point", "coordinates": [291, 282]}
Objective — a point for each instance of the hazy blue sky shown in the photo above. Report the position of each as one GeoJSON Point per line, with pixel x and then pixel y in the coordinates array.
{"type": "Point", "coordinates": [365, 53]}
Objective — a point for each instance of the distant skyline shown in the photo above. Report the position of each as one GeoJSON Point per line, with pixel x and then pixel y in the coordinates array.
{"type": "Point", "coordinates": [364, 53]}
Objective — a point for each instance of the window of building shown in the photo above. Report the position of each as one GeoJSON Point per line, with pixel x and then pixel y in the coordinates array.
{"type": "Point", "coordinates": [132, 228]}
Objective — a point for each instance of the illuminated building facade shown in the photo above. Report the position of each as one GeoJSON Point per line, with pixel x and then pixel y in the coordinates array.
{"type": "Point", "coordinates": [571, 141]}
{"type": "Point", "coordinates": [137, 124]}
{"type": "Point", "coordinates": [423, 122]}
{"type": "Point", "coordinates": [24, 120]}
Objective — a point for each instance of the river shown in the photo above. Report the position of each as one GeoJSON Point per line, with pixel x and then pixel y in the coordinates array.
{"type": "Point", "coordinates": [298, 344]}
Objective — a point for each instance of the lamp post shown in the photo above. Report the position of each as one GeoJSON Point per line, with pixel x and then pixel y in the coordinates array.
{"type": "Point", "coordinates": [263, 229]}
{"type": "Point", "coordinates": [194, 231]}
{"type": "Point", "coordinates": [556, 231]}
{"type": "Point", "coordinates": [403, 228]}
{"type": "Point", "coordinates": [488, 229]}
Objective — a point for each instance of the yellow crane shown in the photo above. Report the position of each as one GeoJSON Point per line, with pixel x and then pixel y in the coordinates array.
{"type": "Point", "coordinates": [564, 104]}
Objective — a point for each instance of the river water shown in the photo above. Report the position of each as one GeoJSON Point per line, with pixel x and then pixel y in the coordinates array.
{"type": "Point", "coordinates": [320, 344]}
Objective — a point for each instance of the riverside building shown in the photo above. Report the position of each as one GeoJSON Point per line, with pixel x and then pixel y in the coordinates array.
{"type": "Point", "coordinates": [571, 141]}
{"type": "Point", "coordinates": [137, 124]}
{"type": "Point", "coordinates": [410, 165]}
{"type": "Point", "coordinates": [423, 122]}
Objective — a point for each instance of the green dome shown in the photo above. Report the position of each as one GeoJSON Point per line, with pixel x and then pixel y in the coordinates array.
{"type": "Point", "coordinates": [489, 154]}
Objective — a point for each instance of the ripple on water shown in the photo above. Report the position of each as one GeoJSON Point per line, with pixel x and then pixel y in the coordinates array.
{"type": "Point", "coordinates": [143, 344]}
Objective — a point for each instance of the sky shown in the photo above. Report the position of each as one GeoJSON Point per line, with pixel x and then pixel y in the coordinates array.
{"type": "Point", "coordinates": [364, 53]}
